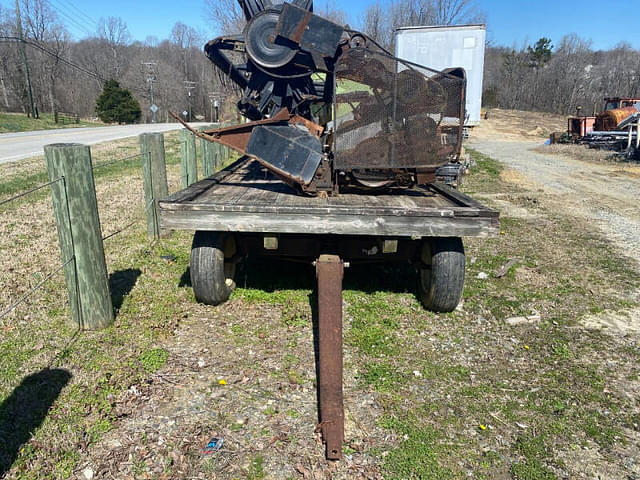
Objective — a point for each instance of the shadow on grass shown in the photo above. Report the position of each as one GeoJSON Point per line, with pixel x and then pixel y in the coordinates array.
{"type": "Point", "coordinates": [185, 279]}
{"type": "Point", "coordinates": [121, 283]}
{"type": "Point", "coordinates": [270, 275]}
{"type": "Point", "coordinates": [25, 409]}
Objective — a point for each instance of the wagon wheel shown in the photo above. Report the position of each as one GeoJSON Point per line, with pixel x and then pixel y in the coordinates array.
{"type": "Point", "coordinates": [441, 273]}
{"type": "Point", "coordinates": [212, 266]}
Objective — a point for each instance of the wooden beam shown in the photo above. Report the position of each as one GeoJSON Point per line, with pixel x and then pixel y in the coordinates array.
{"type": "Point", "coordinates": [76, 212]}
{"type": "Point", "coordinates": [189, 164]}
{"type": "Point", "coordinates": [208, 152]}
{"type": "Point", "coordinates": [154, 176]}
{"type": "Point", "coordinates": [395, 226]}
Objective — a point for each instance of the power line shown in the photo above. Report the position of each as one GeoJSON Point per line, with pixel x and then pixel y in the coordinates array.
{"type": "Point", "coordinates": [78, 25]}
{"type": "Point", "coordinates": [87, 18]}
{"type": "Point", "coordinates": [23, 53]}
{"type": "Point", "coordinates": [64, 60]}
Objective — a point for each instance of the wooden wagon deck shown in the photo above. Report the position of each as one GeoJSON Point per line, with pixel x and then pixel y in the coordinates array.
{"type": "Point", "coordinates": [245, 197]}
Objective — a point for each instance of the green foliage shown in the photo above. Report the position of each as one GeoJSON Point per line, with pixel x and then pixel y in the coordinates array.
{"type": "Point", "coordinates": [117, 104]}
{"type": "Point", "coordinates": [540, 53]}
{"type": "Point", "coordinates": [153, 360]}
{"type": "Point", "coordinates": [18, 122]}
{"type": "Point", "coordinates": [256, 469]}
{"type": "Point", "coordinates": [534, 451]}
{"type": "Point", "coordinates": [417, 455]}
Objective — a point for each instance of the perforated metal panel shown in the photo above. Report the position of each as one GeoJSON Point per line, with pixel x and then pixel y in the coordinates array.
{"type": "Point", "coordinates": [392, 114]}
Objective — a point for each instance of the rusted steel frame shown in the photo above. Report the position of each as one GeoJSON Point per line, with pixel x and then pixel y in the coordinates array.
{"type": "Point", "coordinates": [329, 271]}
{"type": "Point", "coordinates": [214, 50]}
{"type": "Point", "coordinates": [237, 138]}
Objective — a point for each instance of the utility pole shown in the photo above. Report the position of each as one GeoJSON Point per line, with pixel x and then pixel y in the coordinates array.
{"type": "Point", "coordinates": [151, 78]}
{"type": "Point", "coordinates": [216, 99]}
{"type": "Point", "coordinates": [23, 51]}
{"type": "Point", "coordinates": [190, 86]}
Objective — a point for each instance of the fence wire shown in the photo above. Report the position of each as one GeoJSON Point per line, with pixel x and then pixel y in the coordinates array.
{"type": "Point", "coordinates": [49, 276]}
{"type": "Point", "coordinates": [130, 157]}
{"type": "Point", "coordinates": [34, 289]}
{"type": "Point", "coordinates": [27, 192]}
{"type": "Point", "coordinates": [129, 225]}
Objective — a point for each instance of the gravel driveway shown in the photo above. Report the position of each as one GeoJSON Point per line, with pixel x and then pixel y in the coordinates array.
{"type": "Point", "coordinates": [607, 193]}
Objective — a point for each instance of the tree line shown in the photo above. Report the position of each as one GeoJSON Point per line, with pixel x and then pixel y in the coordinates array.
{"type": "Point", "coordinates": [68, 75]}
{"type": "Point", "coordinates": [540, 77]}
{"type": "Point", "coordinates": [560, 78]}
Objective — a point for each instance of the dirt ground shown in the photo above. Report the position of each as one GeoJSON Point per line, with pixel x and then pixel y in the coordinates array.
{"type": "Point", "coordinates": [534, 377]}
{"type": "Point", "coordinates": [578, 181]}
{"type": "Point", "coordinates": [516, 124]}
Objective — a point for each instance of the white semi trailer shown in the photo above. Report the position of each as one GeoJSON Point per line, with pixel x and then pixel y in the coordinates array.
{"type": "Point", "coordinates": [448, 47]}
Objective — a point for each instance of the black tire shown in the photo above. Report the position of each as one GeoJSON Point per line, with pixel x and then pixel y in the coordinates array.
{"type": "Point", "coordinates": [441, 273]}
{"type": "Point", "coordinates": [212, 268]}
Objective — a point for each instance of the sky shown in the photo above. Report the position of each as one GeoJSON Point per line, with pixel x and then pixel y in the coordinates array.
{"type": "Point", "coordinates": [509, 22]}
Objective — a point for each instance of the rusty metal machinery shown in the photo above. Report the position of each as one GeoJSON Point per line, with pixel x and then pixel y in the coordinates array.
{"type": "Point", "coordinates": [330, 109]}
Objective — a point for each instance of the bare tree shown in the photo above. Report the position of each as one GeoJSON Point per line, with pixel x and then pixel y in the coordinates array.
{"type": "Point", "coordinates": [225, 16]}
{"type": "Point", "coordinates": [43, 27]}
{"type": "Point", "coordinates": [113, 31]}
{"type": "Point", "coordinates": [382, 19]}
{"type": "Point", "coordinates": [451, 12]}
{"type": "Point", "coordinates": [333, 13]}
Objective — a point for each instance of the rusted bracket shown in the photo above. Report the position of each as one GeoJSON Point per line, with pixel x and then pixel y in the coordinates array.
{"type": "Point", "coordinates": [329, 271]}
{"type": "Point", "coordinates": [237, 137]}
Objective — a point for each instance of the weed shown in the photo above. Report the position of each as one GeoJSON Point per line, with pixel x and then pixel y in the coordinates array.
{"type": "Point", "coordinates": [256, 468]}
{"type": "Point", "coordinates": [534, 452]}
{"type": "Point", "coordinates": [417, 457]}
{"type": "Point", "coordinates": [153, 360]}
{"type": "Point", "coordinates": [382, 376]}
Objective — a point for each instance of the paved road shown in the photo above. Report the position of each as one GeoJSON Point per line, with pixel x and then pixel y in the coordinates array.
{"type": "Point", "coordinates": [16, 146]}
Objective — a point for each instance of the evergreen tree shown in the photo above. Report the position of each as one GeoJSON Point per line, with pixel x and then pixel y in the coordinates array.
{"type": "Point", "coordinates": [117, 104]}
{"type": "Point", "coordinates": [540, 53]}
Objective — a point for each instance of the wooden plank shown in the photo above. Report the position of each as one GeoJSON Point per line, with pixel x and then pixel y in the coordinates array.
{"type": "Point", "coordinates": [230, 205]}
{"type": "Point", "coordinates": [189, 163]}
{"type": "Point", "coordinates": [204, 185]}
{"type": "Point", "coordinates": [329, 224]}
{"type": "Point", "coordinates": [247, 197]}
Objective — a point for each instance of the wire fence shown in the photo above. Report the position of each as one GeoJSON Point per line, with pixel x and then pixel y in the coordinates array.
{"type": "Point", "coordinates": [48, 277]}
{"type": "Point", "coordinates": [27, 192]}
{"type": "Point", "coordinates": [144, 156]}
{"type": "Point", "coordinates": [34, 289]}
{"type": "Point", "coordinates": [119, 160]}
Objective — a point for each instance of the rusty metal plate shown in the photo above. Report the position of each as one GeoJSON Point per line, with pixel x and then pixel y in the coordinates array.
{"type": "Point", "coordinates": [311, 32]}
{"type": "Point", "coordinates": [394, 114]}
{"type": "Point", "coordinates": [291, 151]}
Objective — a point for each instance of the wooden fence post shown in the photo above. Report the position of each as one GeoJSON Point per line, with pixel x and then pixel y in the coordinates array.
{"type": "Point", "coordinates": [225, 152]}
{"type": "Point", "coordinates": [189, 162]}
{"type": "Point", "coordinates": [76, 212]}
{"type": "Point", "coordinates": [208, 152]}
{"type": "Point", "coordinates": [154, 176]}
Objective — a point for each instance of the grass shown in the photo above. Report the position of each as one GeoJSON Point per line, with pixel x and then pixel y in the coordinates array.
{"type": "Point", "coordinates": [446, 396]}
{"type": "Point", "coordinates": [18, 122]}
{"type": "Point", "coordinates": [153, 360]}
